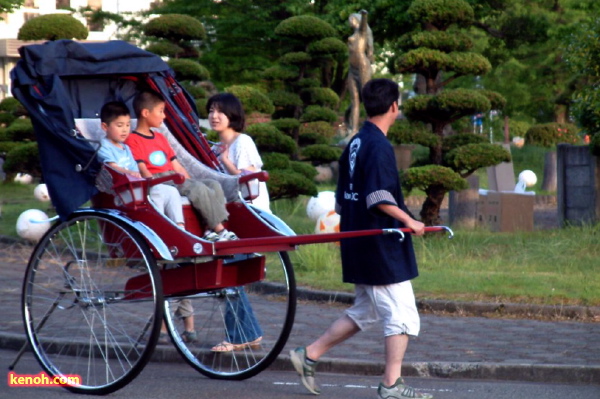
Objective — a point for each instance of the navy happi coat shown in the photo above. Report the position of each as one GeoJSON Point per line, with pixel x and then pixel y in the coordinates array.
{"type": "Point", "coordinates": [368, 176]}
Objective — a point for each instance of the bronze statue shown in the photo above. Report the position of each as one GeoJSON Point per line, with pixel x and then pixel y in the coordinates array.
{"type": "Point", "coordinates": [360, 46]}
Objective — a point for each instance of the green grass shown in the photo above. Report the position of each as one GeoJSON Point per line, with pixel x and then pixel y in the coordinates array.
{"type": "Point", "coordinates": [557, 267]}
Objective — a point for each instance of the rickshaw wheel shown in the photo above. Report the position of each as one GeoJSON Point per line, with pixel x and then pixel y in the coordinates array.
{"type": "Point", "coordinates": [84, 318]}
{"type": "Point", "coordinates": [273, 302]}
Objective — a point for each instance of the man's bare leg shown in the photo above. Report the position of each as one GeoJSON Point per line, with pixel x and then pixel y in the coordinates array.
{"type": "Point", "coordinates": [395, 348]}
{"type": "Point", "coordinates": [341, 329]}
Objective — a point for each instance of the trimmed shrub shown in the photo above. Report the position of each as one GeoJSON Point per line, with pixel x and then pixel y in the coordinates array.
{"type": "Point", "coordinates": [253, 100]}
{"type": "Point", "coordinates": [320, 96]}
{"type": "Point", "coordinates": [269, 139]}
{"type": "Point", "coordinates": [260, 128]}
{"type": "Point", "coordinates": [437, 40]}
{"type": "Point", "coordinates": [468, 158]}
{"type": "Point", "coordinates": [7, 146]}
{"type": "Point", "coordinates": [315, 113]}
{"type": "Point", "coordinates": [304, 169]}
{"type": "Point", "coordinates": [442, 14]}
{"type": "Point", "coordinates": [297, 57]}
{"type": "Point", "coordinates": [282, 98]}
{"type": "Point", "coordinates": [20, 130]}
{"type": "Point", "coordinates": [175, 27]}
{"type": "Point", "coordinates": [188, 70]}
{"type": "Point", "coordinates": [403, 132]}
{"type": "Point", "coordinates": [328, 46]}
{"type": "Point", "coordinates": [165, 49]}
{"type": "Point", "coordinates": [497, 101]}
{"type": "Point", "coordinates": [423, 177]}
{"type": "Point", "coordinates": [6, 119]}
{"type": "Point", "coordinates": [551, 134]}
{"type": "Point", "coordinates": [286, 125]}
{"type": "Point", "coordinates": [53, 27]}
{"type": "Point", "coordinates": [195, 91]}
{"type": "Point", "coordinates": [201, 106]}
{"type": "Point", "coordinates": [319, 127]}
{"type": "Point", "coordinates": [285, 183]}
{"type": "Point", "coordinates": [518, 128]}
{"type": "Point", "coordinates": [456, 140]}
{"type": "Point", "coordinates": [308, 82]}
{"type": "Point", "coordinates": [24, 158]}
{"type": "Point", "coordinates": [211, 136]}
{"type": "Point", "coordinates": [274, 160]}
{"type": "Point", "coordinates": [305, 27]}
{"type": "Point", "coordinates": [12, 106]}
{"type": "Point", "coordinates": [310, 138]}
{"type": "Point", "coordinates": [320, 154]}
{"type": "Point", "coordinates": [279, 72]}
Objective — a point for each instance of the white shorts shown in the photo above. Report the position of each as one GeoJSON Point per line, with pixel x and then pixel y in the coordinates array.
{"type": "Point", "coordinates": [394, 304]}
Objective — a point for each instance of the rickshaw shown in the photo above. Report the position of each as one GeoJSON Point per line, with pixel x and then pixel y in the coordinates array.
{"type": "Point", "coordinates": [103, 279]}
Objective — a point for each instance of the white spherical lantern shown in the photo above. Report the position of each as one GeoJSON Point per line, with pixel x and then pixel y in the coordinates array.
{"type": "Point", "coordinates": [322, 203]}
{"type": "Point", "coordinates": [528, 177]}
{"type": "Point", "coordinates": [41, 193]}
{"type": "Point", "coordinates": [328, 222]}
{"type": "Point", "coordinates": [23, 178]}
{"type": "Point", "coordinates": [32, 224]}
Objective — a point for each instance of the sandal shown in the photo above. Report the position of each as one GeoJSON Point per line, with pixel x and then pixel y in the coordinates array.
{"type": "Point", "coordinates": [229, 347]}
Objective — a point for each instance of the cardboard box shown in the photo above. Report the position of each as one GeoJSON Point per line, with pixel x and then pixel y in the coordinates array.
{"type": "Point", "coordinates": [509, 211]}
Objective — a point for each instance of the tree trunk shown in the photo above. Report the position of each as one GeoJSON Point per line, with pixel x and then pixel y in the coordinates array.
{"type": "Point", "coordinates": [430, 212]}
{"type": "Point", "coordinates": [420, 86]}
{"type": "Point", "coordinates": [550, 172]}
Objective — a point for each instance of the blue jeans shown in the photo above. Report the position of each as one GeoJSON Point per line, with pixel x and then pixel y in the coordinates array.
{"type": "Point", "coordinates": [240, 322]}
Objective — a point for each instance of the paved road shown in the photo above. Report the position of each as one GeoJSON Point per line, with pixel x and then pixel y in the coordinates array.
{"type": "Point", "coordinates": [455, 347]}
{"type": "Point", "coordinates": [181, 381]}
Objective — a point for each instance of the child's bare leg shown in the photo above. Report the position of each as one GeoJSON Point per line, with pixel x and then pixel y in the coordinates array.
{"type": "Point", "coordinates": [188, 323]}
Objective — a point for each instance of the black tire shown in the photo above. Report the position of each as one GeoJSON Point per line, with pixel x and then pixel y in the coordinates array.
{"type": "Point", "coordinates": [80, 318]}
{"type": "Point", "coordinates": [274, 304]}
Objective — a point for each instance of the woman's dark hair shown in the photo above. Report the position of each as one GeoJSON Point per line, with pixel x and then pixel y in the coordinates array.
{"type": "Point", "coordinates": [231, 106]}
{"type": "Point", "coordinates": [378, 95]}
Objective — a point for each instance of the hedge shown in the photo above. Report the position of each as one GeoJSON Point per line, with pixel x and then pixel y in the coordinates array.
{"type": "Point", "coordinates": [186, 69]}
{"type": "Point", "coordinates": [53, 27]}
{"type": "Point", "coordinates": [175, 27]}
{"type": "Point", "coordinates": [551, 134]}
{"type": "Point", "coordinates": [314, 113]}
{"type": "Point", "coordinates": [253, 100]}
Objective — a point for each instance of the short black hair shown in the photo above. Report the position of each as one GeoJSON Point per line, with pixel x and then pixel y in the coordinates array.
{"type": "Point", "coordinates": [231, 106]}
{"type": "Point", "coordinates": [112, 110]}
{"type": "Point", "coordinates": [146, 100]}
{"type": "Point", "coordinates": [378, 95]}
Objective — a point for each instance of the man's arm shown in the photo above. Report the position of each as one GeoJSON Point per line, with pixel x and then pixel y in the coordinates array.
{"type": "Point", "coordinates": [399, 214]}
